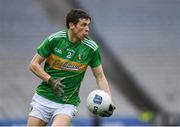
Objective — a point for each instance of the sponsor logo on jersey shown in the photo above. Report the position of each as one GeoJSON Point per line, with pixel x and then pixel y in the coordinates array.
{"type": "Point", "coordinates": [63, 64]}
{"type": "Point", "coordinates": [68, 65]}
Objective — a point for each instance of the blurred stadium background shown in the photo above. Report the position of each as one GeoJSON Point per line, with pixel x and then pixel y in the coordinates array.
{"type": "Point", "coordinates": [140, 42]}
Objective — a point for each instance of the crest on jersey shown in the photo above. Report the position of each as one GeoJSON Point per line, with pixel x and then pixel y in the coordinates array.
{"type": "Point", "coordinates": [79, 56]}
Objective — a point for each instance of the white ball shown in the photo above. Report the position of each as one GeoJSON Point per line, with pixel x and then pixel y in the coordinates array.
{"type": "Point", "coordinates": [98, 101]}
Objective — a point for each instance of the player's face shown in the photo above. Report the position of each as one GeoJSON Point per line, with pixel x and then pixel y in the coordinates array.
{"type": "Point", "coordinates": [81, 29]}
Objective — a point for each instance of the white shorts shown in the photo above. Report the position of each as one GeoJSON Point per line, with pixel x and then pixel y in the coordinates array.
{"type": "Point", "coordinates": [45, 109]}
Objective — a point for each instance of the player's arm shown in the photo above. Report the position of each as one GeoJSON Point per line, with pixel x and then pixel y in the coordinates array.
{"type": "Point", "coordinates": [103, 84]}
{"type": "Point", "coordinates": [101, 79]}
{"type": "Point", "coordinates": [35, 67]}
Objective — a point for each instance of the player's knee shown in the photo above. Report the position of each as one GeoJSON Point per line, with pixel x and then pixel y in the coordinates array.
{"type": "Point", "coordinates": [61, 120]}
{"type": "Point", "coordinates": [33, 121]}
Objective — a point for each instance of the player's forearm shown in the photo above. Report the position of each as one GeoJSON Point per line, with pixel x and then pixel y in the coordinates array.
{"type": "Point", "coordinates": [103, 84]}
{"type": "Point", "coordinates": [38, 70]}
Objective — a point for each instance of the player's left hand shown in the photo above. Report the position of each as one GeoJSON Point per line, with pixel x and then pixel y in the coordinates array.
{"type": "Point", "coordinates": [109, 112]}
{"type": "Point", "coordinates": [57, 85]}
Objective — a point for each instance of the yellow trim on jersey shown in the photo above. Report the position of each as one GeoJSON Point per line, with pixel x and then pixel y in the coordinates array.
{"type": "Point", "coordinates": [62, 64]}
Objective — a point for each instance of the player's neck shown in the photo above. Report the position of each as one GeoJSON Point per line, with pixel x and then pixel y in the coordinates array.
{"type": "Point", "coordinates": [72, 37]}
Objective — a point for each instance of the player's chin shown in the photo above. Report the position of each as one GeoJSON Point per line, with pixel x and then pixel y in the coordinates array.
{"type": "Point", "coordinates": [82, 37]}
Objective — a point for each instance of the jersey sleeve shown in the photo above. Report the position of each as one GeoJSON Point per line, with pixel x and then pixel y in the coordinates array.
{"type": "Point", "coordinates": [45, 48]}
{"type": "Point", "coordinates": [96, 59]}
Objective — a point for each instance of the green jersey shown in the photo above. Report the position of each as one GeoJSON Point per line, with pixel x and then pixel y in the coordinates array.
{"type": "Point", "coordinates": [67, 59]}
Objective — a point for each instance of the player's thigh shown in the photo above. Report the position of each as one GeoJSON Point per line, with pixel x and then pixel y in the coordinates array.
{"type": "Point", "coordinates": [62, 120]}
{"type": "Point", "coordinates": [33, 121]}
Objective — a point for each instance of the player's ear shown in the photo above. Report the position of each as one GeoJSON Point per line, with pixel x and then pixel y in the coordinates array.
{"type": "Point", "coordinates": [71, 25]}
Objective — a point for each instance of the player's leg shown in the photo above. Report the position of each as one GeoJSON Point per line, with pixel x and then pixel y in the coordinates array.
{"type": "Point", "coordinates": [63, 115]}
{"type": "Point", "coordinates": [33, 121]}
{"type": "Point", "coordinates": [39, 114]}
{"type": "Point", "coordinates": [62, 120]}
{"type": "Point", "coordinates": [38, 117]}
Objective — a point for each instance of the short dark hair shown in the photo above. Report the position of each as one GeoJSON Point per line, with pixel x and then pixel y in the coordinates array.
{"type": "Point", "coordinates": [74, 15]}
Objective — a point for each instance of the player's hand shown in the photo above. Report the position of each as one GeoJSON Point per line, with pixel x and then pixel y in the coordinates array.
{"type": "Point", "coordinates": [56, 85]}
{"type": "Point", "coordinates": [109, 112]}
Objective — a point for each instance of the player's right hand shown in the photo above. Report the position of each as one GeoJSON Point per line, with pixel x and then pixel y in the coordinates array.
{"type": "Point", "coordinates": [56, 85]}
{"type": "Point", "coordinates": [109, 112]}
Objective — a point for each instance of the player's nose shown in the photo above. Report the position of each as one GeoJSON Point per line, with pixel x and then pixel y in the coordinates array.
{"type": "Point", "coordinates": [87, 28]}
